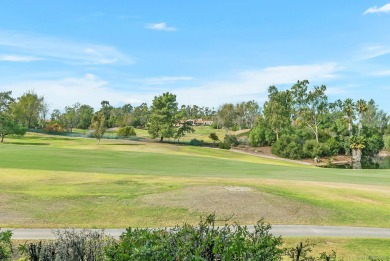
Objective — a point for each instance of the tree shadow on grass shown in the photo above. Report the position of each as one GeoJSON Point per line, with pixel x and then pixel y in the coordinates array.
{"type": "Point", "coordinates": [39, 138]}
{"type": "Point", "coordinates": [27, 143]}
{"type": "Point", "coordinates": [121, 144]}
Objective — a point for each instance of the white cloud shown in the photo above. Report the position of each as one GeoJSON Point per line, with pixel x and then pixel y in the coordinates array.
{"type": "Point", "coordinates": [160, 27]}
{"type": "Point", "coordinates": [374, 51]}
{"type": "Point", "coordinates": [62, 50]}
{"type": "Point", "coordinates": [18, 58]}
{"type": "Point", "coordinates": [383, 9]}
{"type": "Point", "coordinates": [64, 92]}
{"type": "Point", "coordinates": [163, 80]}
{"type": "Point", "coordinates": [247, 85]}
{"type": "Point", "coordinates": [382, 73]}
{"type": "Point", "coordinates": [253, 85]}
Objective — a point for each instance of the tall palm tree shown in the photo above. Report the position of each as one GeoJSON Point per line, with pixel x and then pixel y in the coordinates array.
{"type": "Point", "coordinates": [361, 107]}
{"type": "Point", "coordinates": [348, 108]}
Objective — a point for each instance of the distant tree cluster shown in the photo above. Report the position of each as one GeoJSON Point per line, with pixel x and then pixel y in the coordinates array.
{"type": "Point", "coordinates": [238, 116]}
{"type": "Point", "coordinates": [301, 122]}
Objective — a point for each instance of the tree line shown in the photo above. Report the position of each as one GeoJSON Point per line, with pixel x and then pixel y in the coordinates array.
{"type": "Point", "coordinates": [297, 122]}
{"type": "Point", "coordinates": [301, 122]}
{"type": "Point", "coordinates": [163, 119]}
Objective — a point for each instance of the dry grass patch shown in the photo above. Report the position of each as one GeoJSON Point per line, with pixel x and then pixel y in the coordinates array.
{"type": "Point", "coordinates": [246, 204]}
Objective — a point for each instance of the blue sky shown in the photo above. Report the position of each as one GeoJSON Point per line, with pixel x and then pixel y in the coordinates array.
{"type": "Point", "coordinates": [206, 52]}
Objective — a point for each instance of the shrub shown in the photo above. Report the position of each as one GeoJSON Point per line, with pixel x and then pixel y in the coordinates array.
{"type": "Point", "coordinates": [195, 142]}
{"type": "Point", "coordinates": [261, 136]}
{"type": "Point", "coordinates": [386, 140]}
{"type": "Point", "coordinates": [224, 145]}
{"type": "Point", "coordinates": [288, 146]}
{"type": "Point", "coordinates": [335, 147]}
{"type": "Point", "coordinates": [204, 242]}
{"type": "Point", "coordinates": [5, 245]}
{"type": "Point", "coordinates": [70, 245]}
{"type": "Point", "coordinates": [373, 144]}
{"type": "Point", "coordinates": [126, 131]}
{"type": "Point", "coordinates": [55, 127]}
{"type": "Point", "coordinates": [231, 140]}
{"type": "Point", "coordinates": [312, 149]}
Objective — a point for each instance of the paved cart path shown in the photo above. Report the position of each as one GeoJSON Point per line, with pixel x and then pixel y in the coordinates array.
{"type": "Point", "coordinates": [283, 230]}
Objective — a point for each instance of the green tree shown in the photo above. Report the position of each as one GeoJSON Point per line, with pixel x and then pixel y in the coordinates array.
{"type": "Point", "coordinates": [72, 116]}
{"type": "Point", "coordinates": [185, 127]}
{"type": "Point", "coordinates": [43, 113]}
{"type": "Point", "coordinates": [348, 108]}
{"type": "Point", "coordinates": [85, 113]}
{"type": "Point", "coordinates": [5, 101]}
{"type": "Point", "coordinates": [98, 125]}
{"type": "Point", "coordinates": [374, 118]}
{"type": "Point", "coordinates": [106, 110]}
{"type": "Point", "coordinates": [251, 113]}
{"type": "Point", "coordinates": [140, 116]}
{"type": "Point", "coordinates": [214, 137]}
{"type": "Point", "coordinates": [361, 107]}
{"type": "Point", "coordinates": [9, 126]}
{"type": "Point", "coordinates": [277, 110]}
{"type": "Point", "coordinates": [311, 107]}
{"type": "Point", "coordinates": [226, 115]}
{"type": "Point", "coordinates": [164, 116]}
{"type": "Point", "coordinates": [27, 109]}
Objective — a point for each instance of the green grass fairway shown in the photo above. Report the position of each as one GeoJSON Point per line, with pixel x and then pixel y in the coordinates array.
{"type": "Point", "coordinates": [350, 249]}
{"type": "Point", "coordinates": [53, 181]}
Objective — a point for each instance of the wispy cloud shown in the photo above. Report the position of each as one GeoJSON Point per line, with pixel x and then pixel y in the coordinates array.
{"type": "Point", "coordinates": [246, 85]}
{"type": "Point", "coordinates": [18, 58]}
{"type": "Point", "coordinates": [161, 27]}
{"type": "Point", "coordinates": [254, 84]}
{"type": "Point", "coordinates": [374, 10]}
{"type": "Point", "coordinates": [382, 73]}
{"type": "Point", "coordinates": [61, 50]}
{"type": "Point", "coordinates": [59, 93]}
{"type": "Point", "coordinates": [163, 80]}
{"type": "Point", "coordinates": [373, 51]}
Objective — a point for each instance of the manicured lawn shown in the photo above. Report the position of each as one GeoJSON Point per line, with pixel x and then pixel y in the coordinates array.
{"type": "Point", "coordinates": [53, 181]}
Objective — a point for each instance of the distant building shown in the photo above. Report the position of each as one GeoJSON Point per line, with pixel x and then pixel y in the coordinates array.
{"type": "Point", "coordinates": [199, 122]}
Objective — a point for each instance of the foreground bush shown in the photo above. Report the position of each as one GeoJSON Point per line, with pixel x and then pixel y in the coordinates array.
{"type": "Point", "coordinates": [205, 242]}
{"type": "Point", "coordinates": [5, 245]}
{"type": "Point", "coordinates": [69, 245]}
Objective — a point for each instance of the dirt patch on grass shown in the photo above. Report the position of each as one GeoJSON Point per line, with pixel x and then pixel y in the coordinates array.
{"type": "Point", "coordinates": [9, 215]}
{"type": "Point", "coordinates": [246, 204]}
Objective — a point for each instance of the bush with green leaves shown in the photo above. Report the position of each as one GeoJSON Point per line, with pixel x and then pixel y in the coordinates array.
{"type": "Point", "coordinates": [312, 149]}
{"type": "Point", "coordinates": [386, 140]}
{"type": "Point", "coordinates": [373, 144]}
{"type": "Point", "coordinates": [261, 135]}
{"type": "Point", "coordinates": [5, 245]}
{"type": "Point", "coordinates": [196, 142]}
{"type": "Point", "coordinates": [224, 145]}
{"type": "Point", "coordinates": [204, 242]}
{"type": "Point", "coordinates": [335, 146]}
{"type": "Point", "coordinates": [70, 245]}
{"type": "Point", "coordinates": [288, 146]}
{"type": "Point", "coordinates": [231, 139]}
{"type": "Point", "coordinates": [126, 132]}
